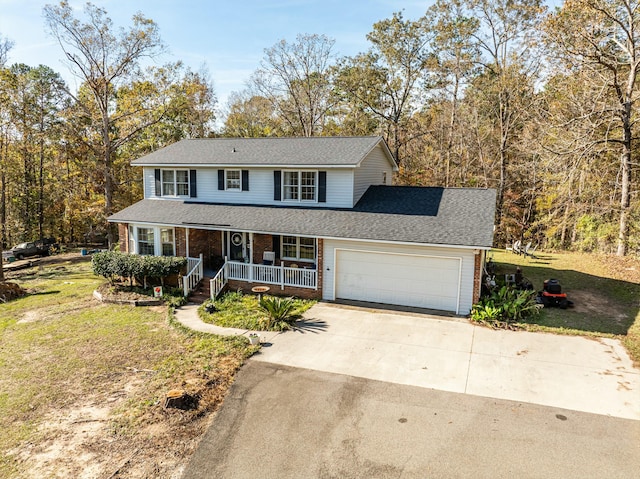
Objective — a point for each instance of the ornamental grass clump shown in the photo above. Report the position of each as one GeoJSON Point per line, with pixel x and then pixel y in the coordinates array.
{"type": "Point", "coordinates": [505, 307]}
{"type": "Point", "coordinates": [279, 312]}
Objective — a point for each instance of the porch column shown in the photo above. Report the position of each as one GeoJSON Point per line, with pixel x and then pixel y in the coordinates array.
{"type": "Point", "coordinates": [186, 242]}
{"type": "Point", "coordinates": [250, 257]}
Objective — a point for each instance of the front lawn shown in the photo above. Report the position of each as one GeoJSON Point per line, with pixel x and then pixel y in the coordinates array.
{"type": "Point", "coordinates": [237, 310]}
{"type": "Point", "coordinates": [82, 384]}
{"type": "Point", "coordinates": [605, 291]}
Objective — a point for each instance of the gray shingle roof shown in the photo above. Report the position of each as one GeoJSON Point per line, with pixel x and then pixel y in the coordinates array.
{"type": "Point", "coordinates": [316, 151]}
{"type": "Point", "coordinates": [439, 216]}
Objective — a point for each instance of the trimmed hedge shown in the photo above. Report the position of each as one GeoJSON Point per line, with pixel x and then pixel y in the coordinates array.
{"type": "Point", "coordinates": [114, 265]}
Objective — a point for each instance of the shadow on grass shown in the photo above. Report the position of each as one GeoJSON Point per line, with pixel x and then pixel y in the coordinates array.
{"type": "Point", "coordinates": [601, 305]}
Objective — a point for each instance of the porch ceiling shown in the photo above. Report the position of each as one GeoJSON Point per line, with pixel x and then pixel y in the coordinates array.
{"type": "Point", "coordinates": [461, 217]}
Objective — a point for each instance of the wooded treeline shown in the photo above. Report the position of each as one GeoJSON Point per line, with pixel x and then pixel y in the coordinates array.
{"type": "Point", "coordinates": [539, 105]}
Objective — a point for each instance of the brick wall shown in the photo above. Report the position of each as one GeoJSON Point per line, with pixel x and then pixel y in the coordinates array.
{"type": "Point", "coordinates": [205, 242]}
{"type": "Point", "coordinates": [275, 290]}
{"type": "Point", "coordinates": [320, 265]}
{"type": "Point", "coordinates": [261, 243]}
{"type": "Point", "coordinates": [477, 276]}
{"type": "Point", "coordinates": [181, 241]}
{"type": "Point", "coordinates": [123, 235]}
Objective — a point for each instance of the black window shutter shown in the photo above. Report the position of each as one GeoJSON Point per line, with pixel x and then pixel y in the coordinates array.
{"type": "Point", "coordinates": [221, 179]}
{"type": "Point", "coordinates": [245, 180]}
{"type": "Point", "coordinates": [158, 183]}
{"type": "Point", "coordinates": [276, 245]}
{"type": "Point", "coordinates": [277, 185]}
{"type": "Point", "coordinates": [322, 187]}
{"type": "Point", "coordinates": [193, 186]}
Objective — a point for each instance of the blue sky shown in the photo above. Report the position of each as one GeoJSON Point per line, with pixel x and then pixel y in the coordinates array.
{"type": "Point", "coordinates": [229, 37]}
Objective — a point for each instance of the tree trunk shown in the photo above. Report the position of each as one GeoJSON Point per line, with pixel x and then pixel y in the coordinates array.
{"type": "Point", "coordinates": [625, 173]}
{"type": "Point", "coordinates": [41, 191]}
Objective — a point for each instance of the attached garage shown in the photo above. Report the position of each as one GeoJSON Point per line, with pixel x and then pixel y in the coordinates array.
{"type": "Point", "coordinates": [420, 276]}
{"type": "Point", "coordinates": [410, 280]}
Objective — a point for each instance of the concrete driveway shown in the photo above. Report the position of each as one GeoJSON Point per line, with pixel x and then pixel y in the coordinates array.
{"type": "Point", "coordinates": [449, 354]}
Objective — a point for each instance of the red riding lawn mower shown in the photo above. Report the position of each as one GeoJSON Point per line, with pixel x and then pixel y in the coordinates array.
{"type": "Point", "coordinates": [552, 295]}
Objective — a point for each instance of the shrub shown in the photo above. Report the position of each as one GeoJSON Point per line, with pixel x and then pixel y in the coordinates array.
{"type": "Point", "coordinates": [113, 265]}
{"type": "Point", "coordinates": [504, 307]}
{"type": "Point", "coordinates": [279, 312]}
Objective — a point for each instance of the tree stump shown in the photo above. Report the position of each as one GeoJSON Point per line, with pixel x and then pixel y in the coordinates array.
{"type": "Point", "coordinates": [179, 399]}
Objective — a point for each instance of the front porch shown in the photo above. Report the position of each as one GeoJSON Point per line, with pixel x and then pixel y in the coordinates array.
{"type": "Point", "coordinates": [288, 265]}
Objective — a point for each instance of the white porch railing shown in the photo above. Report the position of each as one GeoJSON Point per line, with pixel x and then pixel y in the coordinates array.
{"type": "Point", "coordinates": [195, 272]}
{"type": "Point", "coordinates": [218, 282]}
{"type": "Point", "coordinates": [281, 275]}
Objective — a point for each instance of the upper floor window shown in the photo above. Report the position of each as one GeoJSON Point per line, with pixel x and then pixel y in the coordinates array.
{"type": "Point", "coordinates": [299, 186]}
{"type": "Point", "coordinates": [233, 180]}
{"type": "Point", "coordinates": [175, 182]}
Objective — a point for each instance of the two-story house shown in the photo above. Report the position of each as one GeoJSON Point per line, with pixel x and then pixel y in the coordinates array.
{"type": "Point", "coordinates": [312, 217]}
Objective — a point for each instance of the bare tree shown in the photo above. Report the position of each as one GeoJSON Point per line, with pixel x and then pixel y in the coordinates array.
{"type": "Point", "coordinates": [104, 59]}
{"type": "Point", "coordinates": [295, 78]}
{"type": "Point", "coordinates": [5, 46]}
{"type": "Point", "coordinates": [504, 39]}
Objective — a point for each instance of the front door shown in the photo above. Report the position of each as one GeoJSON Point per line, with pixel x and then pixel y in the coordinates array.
{"type": "Point", "coordinates": [238, 246]}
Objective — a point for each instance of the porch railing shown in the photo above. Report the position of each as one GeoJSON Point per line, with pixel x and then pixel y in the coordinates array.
{"type": "Point", "coordinates": [266, 274]}
{"type": "Point", "coordinates": [218, 282]}
{"type": "Point", "coordinates": [195, 272]}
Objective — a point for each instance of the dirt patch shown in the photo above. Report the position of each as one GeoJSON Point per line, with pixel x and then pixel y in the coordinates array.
{"type": "Point", "coordinates": [597, 303]}
{"type": "Point", "coordinates": [88, 440]}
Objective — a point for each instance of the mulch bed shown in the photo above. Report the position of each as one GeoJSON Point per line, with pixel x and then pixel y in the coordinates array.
{"type": "Point", "coordinates": [119, 295]}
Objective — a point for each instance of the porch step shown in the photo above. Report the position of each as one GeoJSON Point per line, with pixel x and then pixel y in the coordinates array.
{"type": "Point", "coordinates": [202, 292]}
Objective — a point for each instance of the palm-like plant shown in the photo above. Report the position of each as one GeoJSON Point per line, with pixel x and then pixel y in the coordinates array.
{"type": "Point", "coordinates": [279, 311]}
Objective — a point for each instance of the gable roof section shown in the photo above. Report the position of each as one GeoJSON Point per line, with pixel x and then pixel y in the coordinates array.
{"type": "Point", "coordinates": [435, 216]}
{"type": "Point", "coordinates": [266, 152]}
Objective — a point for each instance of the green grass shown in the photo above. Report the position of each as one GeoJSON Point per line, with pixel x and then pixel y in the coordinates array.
{"type": "Point", "coordinates": [604, 289]}
{"type": "Point", "coordinates": [61, 349]}
{"type": "Point", "coordinates": [237, 310]}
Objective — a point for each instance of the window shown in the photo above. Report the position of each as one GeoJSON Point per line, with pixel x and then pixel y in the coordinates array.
{"type": "Point", "coordinates": [182, 182]}
{"type": "Point", "coordinates": [175, 183]}
{"type": "Point", "coordinates": [166, 242]}
{"type": "Point", "coordinates": [146, 243]}
{"type": "Point", "coordinates": [290, 185]}
{"type": "Point", "coordinates": [307, 249]}
{"type": "Point", "coordinates": [308, 185]}
{"type": "Point", "coordinates": [132, 240]}
{"type": "Point", "coordinates": [168, 184]}
{"type": "Point", "coordinates": [384, 177]}
{"type": "Point", "coordinates": [299, 186]}
{"type": "Point", "coordinates": [295, 247]}
{"type": "Point", "coordinates": [155, 241]}
{"type": "Point", "coordinates": [289, 247]}
{"type": "Point", "coordinates": [232, 180]}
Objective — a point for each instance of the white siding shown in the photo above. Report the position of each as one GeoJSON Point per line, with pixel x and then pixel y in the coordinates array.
{"type": "Point", "coordinates": [149, 183]}
{"type": "Point", "coordinates": [371, 172]}
{"type": "Point", "coordinates": [465, 256]}
{"type": "Point", "coordinates": [339, 188]}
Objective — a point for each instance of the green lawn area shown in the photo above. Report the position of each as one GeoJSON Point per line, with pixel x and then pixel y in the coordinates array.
{"type": "Point", "coordinates": [238, 310]}
{"type": "Point", "coordinates": [63, 351]}
{"type": "Point", "coordinates": [605, 291]}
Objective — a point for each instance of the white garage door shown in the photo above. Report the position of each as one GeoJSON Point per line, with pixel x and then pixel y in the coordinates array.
{"type": "Point", "coordinates": [407, 280]}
